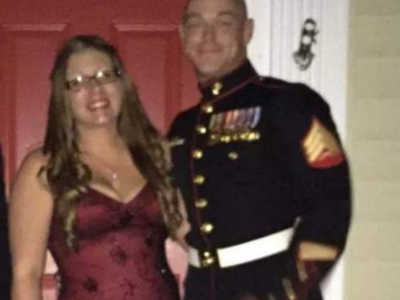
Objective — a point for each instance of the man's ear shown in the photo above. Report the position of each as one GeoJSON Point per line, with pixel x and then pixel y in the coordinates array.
{"type": "Point", "coordinates": [248, 30]}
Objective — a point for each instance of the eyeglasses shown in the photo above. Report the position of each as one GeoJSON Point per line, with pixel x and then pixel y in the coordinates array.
{"type": "Point", "coordinates": [101, 77]}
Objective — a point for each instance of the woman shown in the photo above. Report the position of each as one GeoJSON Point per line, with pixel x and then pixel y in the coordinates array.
{"type": "Point", "coordinates": [89, 193]}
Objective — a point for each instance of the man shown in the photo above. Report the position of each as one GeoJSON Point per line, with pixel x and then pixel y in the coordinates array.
{"type": "Point", "coordinates": [4, 248]}
{"type": "Point", "coordinates": [260, 168]}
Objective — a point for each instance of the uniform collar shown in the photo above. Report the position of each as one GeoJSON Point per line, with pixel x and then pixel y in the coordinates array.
{"type": "Point", "coordinates": [220, 87]}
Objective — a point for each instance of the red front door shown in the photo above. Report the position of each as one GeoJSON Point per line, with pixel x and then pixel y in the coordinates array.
{"type": "Point", "coordinates": [145, 31]}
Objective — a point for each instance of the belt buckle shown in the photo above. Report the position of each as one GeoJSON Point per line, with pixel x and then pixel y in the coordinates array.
{"type": "Point", "coordinates": [208, 258]}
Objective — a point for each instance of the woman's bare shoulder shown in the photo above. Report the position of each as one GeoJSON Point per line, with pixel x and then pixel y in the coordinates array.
{"type": "Point", "coordinates": [35, 158]}
{"type": "Point", "coordinates": [33, 162]}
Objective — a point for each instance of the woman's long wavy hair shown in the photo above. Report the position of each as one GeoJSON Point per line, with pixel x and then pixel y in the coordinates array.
{"type": "Point", "coordinates": [67, 175]}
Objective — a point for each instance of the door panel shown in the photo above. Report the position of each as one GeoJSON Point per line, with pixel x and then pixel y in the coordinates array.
{"type": "Point", "coordinates": [154, 60]}
{"type": "Point", "coordinates": [27, 88]}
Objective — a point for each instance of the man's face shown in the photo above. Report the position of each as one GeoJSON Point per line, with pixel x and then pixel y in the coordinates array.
{"type": "Point", "coordinates": [215, 34]}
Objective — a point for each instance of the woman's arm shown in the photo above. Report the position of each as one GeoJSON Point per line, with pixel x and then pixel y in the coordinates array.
{"type": "Point", "coordinates": [30, 214]}
{"type": "Point", "coordinates": [185, 226]}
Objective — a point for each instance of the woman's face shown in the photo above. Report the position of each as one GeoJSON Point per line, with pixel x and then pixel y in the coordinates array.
{"type": "Point", "coordinates": [93, 89]}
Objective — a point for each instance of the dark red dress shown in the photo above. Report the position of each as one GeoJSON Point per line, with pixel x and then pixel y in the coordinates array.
{"type": "Point", "coordinates": [121, 251]}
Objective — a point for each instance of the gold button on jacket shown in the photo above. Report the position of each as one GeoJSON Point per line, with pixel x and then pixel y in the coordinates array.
{"type": "Point", "coordinates": [207, 227]}
{"type": "Point", "coordinates": [233, 155]}
{"type": "Point", "coordinates": [217, 87]}
{"type": "Point", "coordinates": [208, 109]}
{"type": "Point", "coordinates": [201, 129]}
{"type": "Point", "coordinates": [201, 203]}
{"type": "Point", "coordinates": [199, 179]}
{"type": "Point", "coordinates": [197, 154]}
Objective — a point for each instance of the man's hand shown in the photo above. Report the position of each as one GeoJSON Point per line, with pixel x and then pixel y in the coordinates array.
{"type": "Point", "coordinates": [308, 253]}
{"type": "Point", "coordinates": [315, 251]}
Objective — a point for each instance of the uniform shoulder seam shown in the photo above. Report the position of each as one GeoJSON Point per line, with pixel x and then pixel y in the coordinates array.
{"type": "Point", "coordinates": [271, 82]}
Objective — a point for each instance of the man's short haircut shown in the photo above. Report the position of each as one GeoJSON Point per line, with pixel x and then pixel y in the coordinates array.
{"type": "Point", "coordinates": [240, 4]}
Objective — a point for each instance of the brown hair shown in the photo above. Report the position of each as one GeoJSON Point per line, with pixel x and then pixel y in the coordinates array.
{"type": "Point", "coordinates": [67, 175]}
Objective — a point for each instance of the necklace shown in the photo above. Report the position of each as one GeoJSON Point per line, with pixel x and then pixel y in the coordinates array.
{"type": "Point", "coordinates": [101, 163]}
{"type": "Point", "coordinates": [114, 175]}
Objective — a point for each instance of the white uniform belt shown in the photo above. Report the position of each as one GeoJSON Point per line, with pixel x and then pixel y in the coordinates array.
{"type": "Point", "coordinates": [244, 252]}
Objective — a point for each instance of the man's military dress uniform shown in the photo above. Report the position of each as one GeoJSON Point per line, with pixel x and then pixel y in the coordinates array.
{"type": "Point", "coordinates": [250, 193]}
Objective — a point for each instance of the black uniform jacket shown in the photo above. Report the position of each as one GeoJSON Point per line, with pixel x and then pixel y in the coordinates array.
{"type": "Point", "coordinates": [239, 162]}
{"type": "Point", "coordinates": [5, 264]}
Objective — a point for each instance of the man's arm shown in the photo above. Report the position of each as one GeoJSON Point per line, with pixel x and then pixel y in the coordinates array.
{"type": "Point", "coordinates": [322, 190]}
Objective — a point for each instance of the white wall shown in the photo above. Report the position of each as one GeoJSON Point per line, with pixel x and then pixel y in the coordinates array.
{"type": "Point", "coordinates": [374, 142]}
